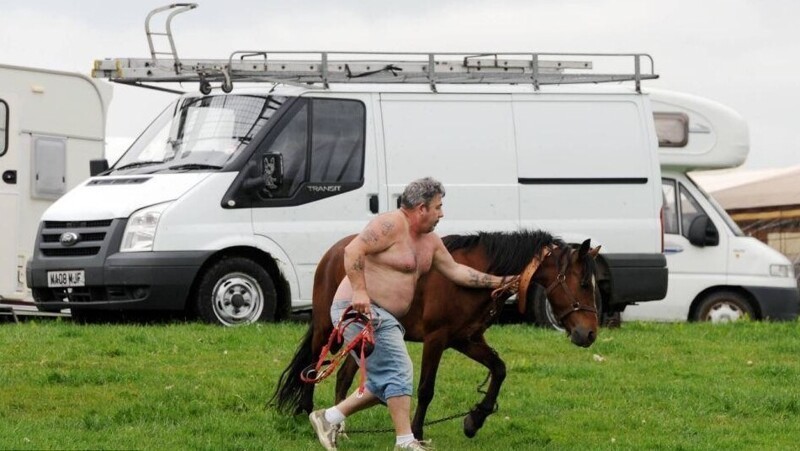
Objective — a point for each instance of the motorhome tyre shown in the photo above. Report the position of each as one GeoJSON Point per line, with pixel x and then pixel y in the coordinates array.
{"type": "Point", "coordinates": [723, 306]}
{"type": "Point", "coordinates": [235, 291]}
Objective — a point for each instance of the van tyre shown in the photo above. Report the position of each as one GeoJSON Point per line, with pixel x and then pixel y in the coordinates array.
{"type": "Point", "coordinates": [723, 306]}
{"type": "Point", "coordinates": [236, 291]}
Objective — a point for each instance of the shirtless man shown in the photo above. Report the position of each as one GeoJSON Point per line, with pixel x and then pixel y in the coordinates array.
{"type": "Point", "coordinates": [383, 265]}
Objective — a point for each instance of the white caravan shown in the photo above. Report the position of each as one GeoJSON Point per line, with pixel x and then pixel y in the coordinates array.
{"type": "Point", "coordinates": [716, 273]}
{"type": "Point", "coordinates": [52, 124]}
{"type": "Point", "coordinates": [227, 201]}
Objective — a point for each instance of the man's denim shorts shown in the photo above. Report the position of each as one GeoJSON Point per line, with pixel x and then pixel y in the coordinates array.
{"type": "Point", "coordinates": [389, 369]}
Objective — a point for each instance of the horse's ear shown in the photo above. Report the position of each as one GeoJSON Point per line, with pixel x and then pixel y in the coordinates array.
{"type": "Point", "coordinates": [584, 249]}
{"type": "Point", "coordinates": [593, 253]}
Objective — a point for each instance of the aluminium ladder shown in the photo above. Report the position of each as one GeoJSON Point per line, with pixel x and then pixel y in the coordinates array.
{"type": "Point", "coordinates": [323, 68]}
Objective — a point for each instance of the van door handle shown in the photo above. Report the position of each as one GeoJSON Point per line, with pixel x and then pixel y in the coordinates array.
{"type": "Point", "coordinates": [10, 177]}
{"type": "Point", "coordinates": [673, 249]}
{"type": "Point", "coordinates": [373, 203]}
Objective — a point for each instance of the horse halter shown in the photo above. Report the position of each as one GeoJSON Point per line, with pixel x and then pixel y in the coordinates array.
{"type": "Point", "coordinates": [576, 306]}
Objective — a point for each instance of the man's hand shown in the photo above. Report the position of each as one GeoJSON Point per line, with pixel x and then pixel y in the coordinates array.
{"type": "Point", "coordinates": [508, 285]}
{"type": "Point", "coordinates": [361, 302]}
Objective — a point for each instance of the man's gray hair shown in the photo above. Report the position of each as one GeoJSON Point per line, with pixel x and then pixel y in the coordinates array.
{"type": "Point", "coordinates": [421, 191]}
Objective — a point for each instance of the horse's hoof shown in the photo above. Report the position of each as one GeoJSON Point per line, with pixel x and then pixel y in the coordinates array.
{"type": "Point", "coordinates": [470, 428]}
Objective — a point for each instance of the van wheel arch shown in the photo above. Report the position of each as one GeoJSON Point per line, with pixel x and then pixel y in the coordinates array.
{"type": "Point", "coordinates": [263, 259]}
{"type": "Point", "coordinates": [736, 293]}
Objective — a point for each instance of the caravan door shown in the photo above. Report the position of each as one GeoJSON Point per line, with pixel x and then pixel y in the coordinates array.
{"type": "Point", "coordinates": [9, 195]}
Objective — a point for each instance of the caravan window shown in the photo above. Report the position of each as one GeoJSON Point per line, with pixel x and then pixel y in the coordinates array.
{"type": "Point", "coordinates": [672, 129]}
{"type": "Point", "coordinates": [3, 127]}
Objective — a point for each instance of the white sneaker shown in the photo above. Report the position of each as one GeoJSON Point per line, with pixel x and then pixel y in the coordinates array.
{"type": "Point", "coordinates": [416, 445]}
{"type": "Point", "coordinates": [326, 432]}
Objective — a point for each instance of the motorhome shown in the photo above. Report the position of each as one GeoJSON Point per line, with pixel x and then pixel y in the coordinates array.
{"type": "Point", "coordinates": [52, 124]}
{"type": "Point", "coordinates": [716, 273]}
{"type": "Point", "coordinates": [227, 201]}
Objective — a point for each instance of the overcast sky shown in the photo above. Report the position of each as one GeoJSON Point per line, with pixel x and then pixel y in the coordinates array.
{"type": "Point", "coordinates": [743, 53]}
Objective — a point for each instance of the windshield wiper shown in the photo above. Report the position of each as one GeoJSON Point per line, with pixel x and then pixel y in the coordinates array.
{"type": "Point", "coordinates": [190, 166]}
{"type": "Point", "coordinates": [137, 164]}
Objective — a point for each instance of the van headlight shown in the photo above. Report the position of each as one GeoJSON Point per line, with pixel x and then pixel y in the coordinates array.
{"type": "Point", "coordinates": [781, 271]}
{"type": "Point", "coordinates": [141, 229]}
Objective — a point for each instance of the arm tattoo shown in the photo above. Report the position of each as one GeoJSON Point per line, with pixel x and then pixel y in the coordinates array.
{"type": "Point", "coordinates": [386, 228]}
{"type": "Point", "coordinates": [369, 237]}
{"type": "Point", "coordinates": [478, 279]}
{"type": "Point", "coordinates": [358, 265]}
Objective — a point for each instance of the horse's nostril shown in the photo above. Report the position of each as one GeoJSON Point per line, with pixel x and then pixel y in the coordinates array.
{"type": "Point", "coordinates": [591, 336]}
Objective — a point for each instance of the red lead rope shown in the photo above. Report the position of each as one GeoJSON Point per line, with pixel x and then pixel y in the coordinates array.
{"type": "Point", "coordinates": [363, 344]}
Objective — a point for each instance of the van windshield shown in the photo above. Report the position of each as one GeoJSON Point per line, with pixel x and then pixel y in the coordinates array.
{"type": "Point", "coordinates": [199, 133]}
{"type": "Point", "coordinates": [720, 211]}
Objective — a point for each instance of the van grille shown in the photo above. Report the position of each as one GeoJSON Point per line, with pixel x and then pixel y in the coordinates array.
{"type": "Point", "coordinates": [91, 237]}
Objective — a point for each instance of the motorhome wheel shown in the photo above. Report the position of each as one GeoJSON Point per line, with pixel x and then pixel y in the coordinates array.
{"type": "Point", "coordinates": [236, 291]}
{"type": "Point", "coordinates": [723, 307]}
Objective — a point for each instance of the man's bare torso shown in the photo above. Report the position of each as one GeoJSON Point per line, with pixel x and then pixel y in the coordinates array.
{"type": "Point", "coordinates": [391, 275]}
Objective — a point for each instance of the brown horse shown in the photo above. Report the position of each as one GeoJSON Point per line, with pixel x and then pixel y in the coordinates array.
{"type": "Point", "coordinates": [444, 315]}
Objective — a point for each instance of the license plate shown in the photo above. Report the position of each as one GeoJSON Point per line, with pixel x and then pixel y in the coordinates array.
{"type": "Point", "coordinates": [66, 279]}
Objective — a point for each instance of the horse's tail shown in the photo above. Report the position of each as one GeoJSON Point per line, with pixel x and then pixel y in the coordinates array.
{"type": "Point", "coordinates": [288, 396]}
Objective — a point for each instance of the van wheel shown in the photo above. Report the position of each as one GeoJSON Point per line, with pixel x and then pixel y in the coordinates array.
{"type": "Point", "coordinates": [236, 291]}
{"type": "Point", "coordinates": [723, 307]}
{"type": "Point", "coordinates": [544, 312]}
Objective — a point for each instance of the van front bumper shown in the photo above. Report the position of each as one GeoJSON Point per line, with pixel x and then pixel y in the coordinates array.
{"type": "Point", "coordinates": [121, 281]}
{"type": "Point", "coordinates": [776, 303]}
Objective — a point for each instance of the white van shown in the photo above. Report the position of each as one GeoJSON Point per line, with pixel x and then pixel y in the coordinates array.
{"type": "Point", "coordinates": [716, 273]}
{"type": "Point", "coordinates": [52, 125]}
{"type": "Point", "coordinates": [227, 201]}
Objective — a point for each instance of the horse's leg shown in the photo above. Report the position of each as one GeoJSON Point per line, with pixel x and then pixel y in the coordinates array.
{"type": "Point", "coordinates": [484, 354]}
{"type": "Point", "coordinates": [344, 378]}
{"type": "Point", "coordinates": [432, 351]}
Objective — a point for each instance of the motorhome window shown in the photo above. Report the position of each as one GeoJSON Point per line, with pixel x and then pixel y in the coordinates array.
{"type": "Point", "coordinates": [292, 144]}
{"type": "Point", "coordinates": [732, 225]}
{"type": "Point", "coordinates": [337, 152]}
{"type": "Point", "coordinates": [690, 209]}
{"type": "Point", "coordinates": [201, 131]}
{"type": "Point", "coordinates": [670, 207]}
{"type": "Point", "coordinates": [3, 127]}
{"type": "Point", "coordinates": [672, 129]}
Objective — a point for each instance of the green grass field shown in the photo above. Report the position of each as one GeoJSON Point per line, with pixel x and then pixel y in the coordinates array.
{"type": "Point", "coordinates": [193, 386]}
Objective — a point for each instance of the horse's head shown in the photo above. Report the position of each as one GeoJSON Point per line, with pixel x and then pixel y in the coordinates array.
{"type": "Point", "coordinates": [568, 277]}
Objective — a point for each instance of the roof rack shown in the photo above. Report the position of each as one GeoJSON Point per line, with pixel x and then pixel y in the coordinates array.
{"type": "Point", "coordinates": [323, 68]}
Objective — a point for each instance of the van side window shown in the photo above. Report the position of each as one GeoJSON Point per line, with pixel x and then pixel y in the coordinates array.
{"type": "Point", "coordinates": [690, 209]}
{"type": "Point", "coordinates": [337, 143]}
{"type": "Point", "coordinates": [318, 153]}
{"type": "Point", "coordinates": [670, 206]}
{"type": "Point", "coordinates": [3, 127]}
{"type": "Point", "coordinates": [292, 143]}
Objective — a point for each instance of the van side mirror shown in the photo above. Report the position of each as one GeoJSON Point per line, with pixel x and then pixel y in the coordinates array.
{"type": "Point", "coordinates": [703, 232]}
{"type": "Point", "coordinates": [97, 167]}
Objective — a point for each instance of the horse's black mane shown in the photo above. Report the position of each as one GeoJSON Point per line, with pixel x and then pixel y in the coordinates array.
{"type": "Point", "coordinates": [508, 252]}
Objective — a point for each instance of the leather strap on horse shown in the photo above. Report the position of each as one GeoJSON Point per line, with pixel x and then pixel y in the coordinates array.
{"type": "Point", "coordinates": [527, 275]}
{"type": "Point", "coordinates": [363, 343]}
